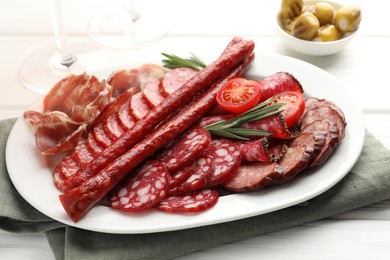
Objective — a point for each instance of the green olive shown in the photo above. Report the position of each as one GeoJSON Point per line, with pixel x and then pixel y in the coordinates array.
{"type": "Point", "coordinates": [347, 18]}
{"type": "Point", "coordinates": [306, 26]}
{"type": "Point", "coordinates": [291, 8]}
{"type": "Point", "coordinates": [328, 33]}
{"type": "Point", "coordinates": [324, 12]}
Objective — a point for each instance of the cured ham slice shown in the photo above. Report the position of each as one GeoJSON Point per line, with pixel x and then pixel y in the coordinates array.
{"type": "Point", "coordinates": [68, 110]}
{"type": "Point", "coordinates": [81, 97]}
{"type": "Point", "coordinates": [121, 80]}
{"type": "Point", "coordinates": [54, 131]}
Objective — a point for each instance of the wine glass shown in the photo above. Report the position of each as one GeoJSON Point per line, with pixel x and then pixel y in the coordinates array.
{"type": "Point", "coordinates": [123, 27]}
{"type": "Point", "coordinates": [41, 70]}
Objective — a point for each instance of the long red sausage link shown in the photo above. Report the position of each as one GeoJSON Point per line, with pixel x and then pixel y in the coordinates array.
{"type": "Point", "coordinates": [235, 53]}
{"type": "Point", "coordinates": [79, 200]}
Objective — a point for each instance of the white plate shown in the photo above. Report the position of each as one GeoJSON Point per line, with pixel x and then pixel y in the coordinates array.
{"type": "Point", "coordinates": [31, 173]}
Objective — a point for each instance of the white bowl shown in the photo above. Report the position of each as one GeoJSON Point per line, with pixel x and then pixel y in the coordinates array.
{"type": "Point", "coordinates": [314, 48]}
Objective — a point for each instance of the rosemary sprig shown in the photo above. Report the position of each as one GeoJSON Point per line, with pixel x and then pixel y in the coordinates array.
{"type": "Point", "coordinates": [174, 61]}
{"type": "Point", "coordinates": [231, 128]}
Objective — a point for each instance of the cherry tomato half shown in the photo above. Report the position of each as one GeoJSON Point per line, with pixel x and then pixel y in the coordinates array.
{"type": "Point", "coordinates": [239, 95]}
{"type": "Point", "coordinates": [294, 105]}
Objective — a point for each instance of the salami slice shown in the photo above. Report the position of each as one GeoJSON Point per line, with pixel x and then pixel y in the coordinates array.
{"type": "Point", "coordinates": [261, 150]}
{"type": "Point", "coordinates": [138, 106]}
{"type": "Point", "coordinates": [184, 150]}
{"type": "Point", "coordinates": [179, 177]}
{"type": "Point", "coordinates": [174, 79]}
{"type": "Point", "coordinates": [226, 158]}
{"type": "Point", "coordinates": [195, 201]}
{"type": "Point", "coordinates": [205, 121]}
{"type": "Point", "coordinates": [201, 169]}
{"type": "Point", "coordinates": [326, 113]}
{"type": "Point", "coordinates": [148, 187]}
{"type": "Point", "coordinates": [152, 93]}
{"type": "Point", "coordinates": [274, 124]}
{"type": "Point", "coordinates": [277, 83]}
{"type": "Point", "coordinates": [253, 176]}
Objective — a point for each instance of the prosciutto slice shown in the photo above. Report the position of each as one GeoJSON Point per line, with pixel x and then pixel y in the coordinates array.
{"type": "Point", "coordinates": [55, 132]}
{"type": "Point", "coordinates": [68, 110]}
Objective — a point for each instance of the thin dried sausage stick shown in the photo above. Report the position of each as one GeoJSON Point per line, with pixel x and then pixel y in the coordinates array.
{"type": "Point", "coordinates": [79, 200]}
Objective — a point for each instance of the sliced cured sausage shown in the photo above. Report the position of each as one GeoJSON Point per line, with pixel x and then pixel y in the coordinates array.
{"type": "Point", "coordinates": [178, 177]}
{"type": "Point", "coordinates": [226, 159]}
{"type": "Point", "coordinates": [101, 136]}
{"type": "Point", "coordinates": [81, 154]}
{"type": "Point", "coordinates": [125, 117]}
{"type": "Point", "coordinates": [201, 171]}
{"type": "Point", "coordinates": [313, 102]}
{"type": "Point", "coordinates": [152, 93]}
{"type": "Point", "coordinates": [148, 187]}
{"type": "Point", "coordinates": [63, 171]}
{"type": "Point", "coordinates": [174, 79]}
{"type": "Point", "coordinates": [184, 150]}
{"type": "Point", "coordinates": [113, 128]}
{"type": "Point", "coordinates": [253, 176]}
{"type": "Point", "coordinates": [195, 201]}
{"type": "Point", "coordinates": [93, 145]}
{"type": "Point", "coordinates": [294, 161]}
{"type": "Point", "coordinates": [115, 105]}
{"type": "Point", "coordinates": [274, 124]}
{"type": "Point", "coordinates": [331, 140]}
{"type": "Point", "coordinates": [277, 83]}
{"type": "Point", "coordinates": [205, 121]}
{"type": "Point", "coordinates": [314, 141]}
{"type": "Point", "coordinates": [261, 150]}
{"type": "Point", "coordinates": [138, 106]}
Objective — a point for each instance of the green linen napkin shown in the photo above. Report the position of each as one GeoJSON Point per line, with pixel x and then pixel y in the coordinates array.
{"type": "Point", "coordinates": [368, 182]}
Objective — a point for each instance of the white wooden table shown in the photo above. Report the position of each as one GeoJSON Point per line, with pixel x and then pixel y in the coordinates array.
{"type": "Point", "coordinates": [200, 26]}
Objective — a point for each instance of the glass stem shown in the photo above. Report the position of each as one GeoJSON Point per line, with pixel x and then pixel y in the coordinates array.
{"type": "Point", "coordinates": [63, 57]}
{"type": "Point", "coordinates": [130, 9]}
